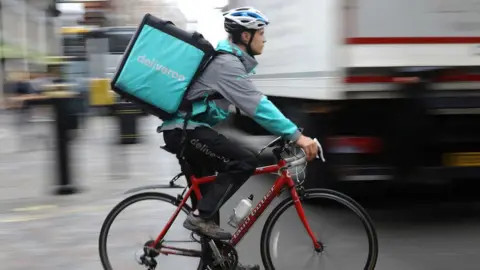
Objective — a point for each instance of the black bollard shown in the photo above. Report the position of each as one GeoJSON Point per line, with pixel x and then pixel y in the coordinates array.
{"type": "Point", "coordinates": [64, 118]}
{"type": "Point", "coordinates": [127, 115]}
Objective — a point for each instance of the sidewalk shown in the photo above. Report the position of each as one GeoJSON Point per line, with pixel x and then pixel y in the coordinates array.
{"type": "Point", "coordinates": [100, 166]}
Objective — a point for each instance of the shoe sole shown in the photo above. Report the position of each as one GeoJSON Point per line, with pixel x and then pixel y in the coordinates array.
{"type": "Point", "coordinates": [193, 228]}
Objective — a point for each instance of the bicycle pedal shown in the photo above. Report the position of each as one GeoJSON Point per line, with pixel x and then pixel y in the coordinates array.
{"type": "Point", "coordinates": [198, 237]}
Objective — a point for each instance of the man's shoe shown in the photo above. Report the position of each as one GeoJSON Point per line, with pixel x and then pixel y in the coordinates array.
{"type": "Point", "coordinates": [207, 228]}
{"type": "Point", "coordinates": [247, 267]}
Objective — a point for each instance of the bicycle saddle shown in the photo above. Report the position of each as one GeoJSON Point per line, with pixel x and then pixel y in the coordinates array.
{"type": "Point", "coordinates": [165, 147]}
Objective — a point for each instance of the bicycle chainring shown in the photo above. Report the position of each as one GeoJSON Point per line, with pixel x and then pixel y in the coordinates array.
{"type": "Point", "coordinates": [229, 260]}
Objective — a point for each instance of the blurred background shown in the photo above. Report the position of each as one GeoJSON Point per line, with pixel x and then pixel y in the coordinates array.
{"type": "Point", "coordinates": [390, 88]}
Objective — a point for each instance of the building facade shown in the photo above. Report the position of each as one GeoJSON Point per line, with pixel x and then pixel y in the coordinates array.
{"type": "Point", "coordinates": [130, 13]}
{"type": "Point", "coordinates": [28, 32]}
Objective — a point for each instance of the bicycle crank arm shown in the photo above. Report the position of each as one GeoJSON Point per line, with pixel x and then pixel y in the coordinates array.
{"type": "Point", "coordinates": [165, 250]}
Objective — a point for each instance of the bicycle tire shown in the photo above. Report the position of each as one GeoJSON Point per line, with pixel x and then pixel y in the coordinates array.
{"type": "Point", "coordinates": [326, 194]}
{"type": "Point", "coordinates": [119, 208]}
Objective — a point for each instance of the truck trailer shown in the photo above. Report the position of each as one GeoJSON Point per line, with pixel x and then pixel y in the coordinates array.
{"type": "Point", "coordinates": [391, 88]}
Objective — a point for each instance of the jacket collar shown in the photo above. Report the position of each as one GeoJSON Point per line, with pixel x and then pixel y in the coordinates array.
{"type": "Point", "coordinates": [248, 61]}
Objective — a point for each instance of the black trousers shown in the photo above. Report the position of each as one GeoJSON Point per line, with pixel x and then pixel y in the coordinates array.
{"type": "Point", "coordinates": [207, 152]}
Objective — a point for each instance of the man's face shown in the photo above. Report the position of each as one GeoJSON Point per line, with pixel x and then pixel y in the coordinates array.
{"type": "Point", "coordinates": [258, 41]}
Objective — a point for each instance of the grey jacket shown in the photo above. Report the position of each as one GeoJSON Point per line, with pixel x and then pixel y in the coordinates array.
{"type": "Point", "coordinates": [228, 75]}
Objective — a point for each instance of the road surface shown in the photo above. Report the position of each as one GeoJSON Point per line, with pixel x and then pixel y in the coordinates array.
{"type": "Point", "coordinates": [42, 231]}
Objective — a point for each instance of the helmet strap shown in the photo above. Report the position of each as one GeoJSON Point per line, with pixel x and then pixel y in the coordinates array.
{"type": "Point", "coordinates": [249, 45]}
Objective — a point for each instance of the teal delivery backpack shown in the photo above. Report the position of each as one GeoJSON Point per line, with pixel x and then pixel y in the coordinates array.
{"type": "Point", "coordinates": [159, 65]}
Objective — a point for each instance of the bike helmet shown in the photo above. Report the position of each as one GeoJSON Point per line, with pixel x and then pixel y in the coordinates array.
{"type": "Point", "coordinates": [244, 18]}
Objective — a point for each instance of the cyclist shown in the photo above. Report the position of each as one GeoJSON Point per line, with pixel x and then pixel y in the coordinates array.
{"type": "Point", "coordinates": [226, 79]}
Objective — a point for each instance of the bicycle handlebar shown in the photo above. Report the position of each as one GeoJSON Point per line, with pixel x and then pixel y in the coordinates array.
{"type": "Point", "coordinates": [294, 162]}
{"type": "Point", "coordinates": [281, 144]}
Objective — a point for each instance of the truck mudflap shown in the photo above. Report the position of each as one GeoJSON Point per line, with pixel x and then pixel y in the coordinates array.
{"type": "Point", "coordinates": [442, 173]}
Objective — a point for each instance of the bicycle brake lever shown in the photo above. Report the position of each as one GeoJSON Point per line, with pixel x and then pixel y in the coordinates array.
{"type": "Point", "coordinates": [320, 150]}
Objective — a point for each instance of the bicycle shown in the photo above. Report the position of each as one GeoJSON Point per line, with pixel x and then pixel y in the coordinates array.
{"type": "Point", "coordinates": [222, 254]}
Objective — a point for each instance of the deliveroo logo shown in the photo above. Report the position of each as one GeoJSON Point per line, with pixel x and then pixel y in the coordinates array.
{"type": "Point", "coordinates": [152, 63]}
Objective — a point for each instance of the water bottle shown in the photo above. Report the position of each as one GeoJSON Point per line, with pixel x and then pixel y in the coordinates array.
{"type": "Point", "coordinates": [241, 211]}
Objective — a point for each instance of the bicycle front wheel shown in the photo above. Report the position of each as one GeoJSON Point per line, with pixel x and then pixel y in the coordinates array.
{"type": "Point", "coordinates": [340, 224]}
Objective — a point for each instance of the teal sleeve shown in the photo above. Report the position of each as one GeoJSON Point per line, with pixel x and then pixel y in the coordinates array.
{"type": "Point", "coordinates": [234, 86]}
{"type": "Point", "coordinates": [273, 120]}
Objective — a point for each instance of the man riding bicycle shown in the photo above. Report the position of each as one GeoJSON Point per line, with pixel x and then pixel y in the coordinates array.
{"type": "Point", "coordinates": [226, 79]}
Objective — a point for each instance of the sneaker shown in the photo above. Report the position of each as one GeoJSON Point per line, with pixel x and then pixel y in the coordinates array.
{"type": "Point", "coordinates": [207, 228]}
{"type": "Point", "coordinates": [247, 267]}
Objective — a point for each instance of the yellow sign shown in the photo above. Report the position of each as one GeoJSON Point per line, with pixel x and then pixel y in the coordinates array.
{"type": "Point", "coordinates": [100, 94]}
{"type": "Point", "coordinates": [76, 30]}
{"type": "Point", "coordinates": [465, 159]}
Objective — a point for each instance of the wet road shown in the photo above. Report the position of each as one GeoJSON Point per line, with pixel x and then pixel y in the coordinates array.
{"type": "Point", "coordinates": [39, 231]}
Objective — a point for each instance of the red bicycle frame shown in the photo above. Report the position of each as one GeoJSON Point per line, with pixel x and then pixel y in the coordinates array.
{"type": "Point", "coordinates": [283, 180]}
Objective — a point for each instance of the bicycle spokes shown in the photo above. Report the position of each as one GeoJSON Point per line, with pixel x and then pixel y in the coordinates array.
{"type": "Point", "coordinates": [128, 234]}
{"type": "Point", "coordinates": [340, 231]}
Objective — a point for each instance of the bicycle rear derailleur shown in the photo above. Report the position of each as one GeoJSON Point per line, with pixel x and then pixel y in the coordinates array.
{"type": "Point", "coordinates": [222, 256]}
{"type": "Point", "coordinates": [148, 257]}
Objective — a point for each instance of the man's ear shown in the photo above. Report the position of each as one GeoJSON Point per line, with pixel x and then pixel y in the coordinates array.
{"type": "Point", "coordinates": [246, 36]}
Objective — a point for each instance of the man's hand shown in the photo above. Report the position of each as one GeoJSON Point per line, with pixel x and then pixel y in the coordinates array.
{"type": "Point", "coordinates": [309, 146]}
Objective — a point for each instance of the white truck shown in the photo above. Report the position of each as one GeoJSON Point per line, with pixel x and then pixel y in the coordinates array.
{"type": "Point", "coordinates": [390, 87]}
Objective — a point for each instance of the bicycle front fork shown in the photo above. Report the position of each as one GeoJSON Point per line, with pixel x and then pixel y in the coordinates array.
{"type": "Point", "coordinates": [301, 214]}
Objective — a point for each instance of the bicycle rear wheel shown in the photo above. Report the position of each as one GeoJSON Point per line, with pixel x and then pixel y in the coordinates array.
{"type": "Point", "coordinates": [317, 198]}
{"type": "Point", "coordinates": [129, 232]}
